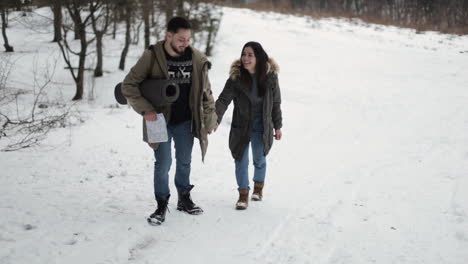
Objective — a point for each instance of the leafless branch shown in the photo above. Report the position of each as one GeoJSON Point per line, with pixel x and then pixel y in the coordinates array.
{"type": "Point", "coordinates": [66, 54]}
{"type": "Point", "coordinates": [27, 128]}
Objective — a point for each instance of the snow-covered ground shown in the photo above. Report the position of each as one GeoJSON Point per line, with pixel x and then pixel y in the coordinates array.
{"type": "Point", "coordinates": [372, 167]}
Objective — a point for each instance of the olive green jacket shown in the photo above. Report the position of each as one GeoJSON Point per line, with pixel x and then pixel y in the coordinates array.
{"type": "Point", "coordinates": [201, 99]}
{"type": "Point", "coordinates": [242, 117]}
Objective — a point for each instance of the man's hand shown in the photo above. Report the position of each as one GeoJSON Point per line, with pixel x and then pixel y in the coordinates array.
{"type": "Point", "coordinates": [151, 116]}
{"type": "Point", "coordinates": [278, 134]}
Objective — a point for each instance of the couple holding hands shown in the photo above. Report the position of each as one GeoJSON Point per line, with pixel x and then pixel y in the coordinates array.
{"type": "Point", "coordinates": [256, 120]}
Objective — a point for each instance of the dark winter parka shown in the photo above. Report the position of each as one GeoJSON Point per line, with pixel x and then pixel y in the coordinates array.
{"type": "Point", "coordinates": [243, 116]}
{"type": "Point", "coordinates": [201, 98]}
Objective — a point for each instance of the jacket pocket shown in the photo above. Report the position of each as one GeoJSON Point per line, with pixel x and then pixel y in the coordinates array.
{"type": "Point", "coordinates": [235, 139]}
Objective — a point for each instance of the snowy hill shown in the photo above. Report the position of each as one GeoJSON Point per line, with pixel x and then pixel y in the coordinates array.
{"type": "Point", "coordinates": [372, 167]}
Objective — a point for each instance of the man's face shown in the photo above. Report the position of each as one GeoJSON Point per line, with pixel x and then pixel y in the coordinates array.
{"type": "Point", "coordinates": [179, 41]}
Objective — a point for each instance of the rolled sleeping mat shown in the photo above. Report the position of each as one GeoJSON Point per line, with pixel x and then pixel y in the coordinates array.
{"type": "Point", "coordinates": [157, 92]}
{"type": "Point", "coordinates": [118, 94]}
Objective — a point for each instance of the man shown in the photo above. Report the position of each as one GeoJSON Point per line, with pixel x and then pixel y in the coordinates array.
{"type": "Point", "coordinates": [192, 115]}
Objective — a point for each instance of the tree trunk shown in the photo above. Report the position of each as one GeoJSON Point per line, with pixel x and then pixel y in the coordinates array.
{"type": "Point", "coordinates": [81, 65]}
{"type": "Point", "coordinates": [275, 3]}
{"type": "Point", "coordinates": [212, 31]}
{"type": "Point", "coordinates": [136, 33]}
{"type": "Point", "coordinates": [114, 24]}
{"type": "Point", "coordinates": [169, 10]}
{"type": "Point", "coordinates": [391, 9]}
{"type": "Point", "coordinates": [98, 71]}
{"type": "Point", "coordinates": [7, 46]}
{"type": "Point", "coordinates": [75, 10]}
{"type": "Point", "coordinates": [57, 10]}
{"type": "Point", "coordinates": [77, 32]}
{"type": "Point", "coordinates": [153, 21]}
{"type": "Point", "coordinates": [99, 32]}
{"type": "Point", "coordinates": [357, 7]}
{"type": "Point", "coordinates": [127, 38]}
{"type": "Point", "coordinates": [17, 5]}
{"type": "Point", "coordinates": [323, 5]}
{"type": "Point", "coordinates": [180, 8]}
{"type": "Point", "coordinates": [146, 19]}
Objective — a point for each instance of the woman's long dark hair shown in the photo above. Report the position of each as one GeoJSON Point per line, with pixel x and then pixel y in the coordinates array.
{"type": "Point", "coordinates": [261, 67]}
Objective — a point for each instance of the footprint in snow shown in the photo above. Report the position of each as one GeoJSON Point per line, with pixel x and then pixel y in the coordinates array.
{"type": "Point", "coordinates": [76, 237]}
{"type": "Point", "coordinates": [28, 227]}
{"type": "Point", "coordinates": [145, 243]}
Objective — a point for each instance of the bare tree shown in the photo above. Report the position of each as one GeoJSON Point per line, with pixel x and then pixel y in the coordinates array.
{"type": "Point", "coordinates": [146, 6]}
{"type": "Point", "coordinates": [115, 18]}
{"type": "Point", "coordinates": [152, 13]}
{"type": "Point", "coordinates": [4, 14]}
{"type": "Point", "coordinates": [57, 10]}
{"type": "Point", "coordinates": [205, 18]}
{"type": "Point", "coordinates": [158, 25]}
{"type": "Point", "coordinates": [135, 29]}
{"type": "Point", "coordinates": [444, 15]}
{"type": "Point", "coordinates": [128, 22]}
{"type": "Point", "coordinates": [179, 7]}
{"type": "Point", "coordinates": [75, 9]}
{"type": "Point", "coordinates": [169, 8]}
{"type": "Point", "coordinates": [24, 129]}
{"type": "Point", "coordinates": [103, 18]}
{"type": "Point", "coordinates": [211, 20]}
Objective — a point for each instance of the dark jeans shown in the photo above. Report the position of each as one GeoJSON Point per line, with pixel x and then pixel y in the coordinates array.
{"type": "Point", "coordinates": [183, 142]}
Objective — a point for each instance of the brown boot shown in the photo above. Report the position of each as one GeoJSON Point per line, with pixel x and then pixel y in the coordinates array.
{"type": "Point", "coordinates": [243, 201]}
{"type": "Point", "coordinates": [257, 194]}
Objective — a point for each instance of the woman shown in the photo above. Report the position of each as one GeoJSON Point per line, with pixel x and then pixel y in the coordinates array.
{"type": "Point", "coordinates": [253, 85]}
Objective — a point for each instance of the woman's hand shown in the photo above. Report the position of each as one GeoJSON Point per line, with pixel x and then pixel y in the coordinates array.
{"type": "Point", "coordinates": [278, 134]}
{"type": "Point", "coordinates": [214, 129]}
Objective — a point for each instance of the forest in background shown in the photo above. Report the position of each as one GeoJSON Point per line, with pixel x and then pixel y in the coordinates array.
{"type": "Point", "coordinates": [448, 16]}
{"type": "Point", "coordinates": [80, 29]}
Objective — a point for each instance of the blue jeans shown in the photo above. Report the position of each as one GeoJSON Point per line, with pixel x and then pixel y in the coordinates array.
{"type": "Point", "coordinates": [183, 142]}
{"type": "Point", "coordinates": [259, 161]}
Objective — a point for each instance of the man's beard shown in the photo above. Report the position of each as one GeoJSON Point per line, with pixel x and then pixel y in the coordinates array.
{"type": "Point", "coordinates": [176, 50]}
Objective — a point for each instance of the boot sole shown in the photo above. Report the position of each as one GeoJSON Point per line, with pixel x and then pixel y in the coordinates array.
{"type": "Point", "coordinates": [241, 206]}
{"type": "Point", "coordinates": [154, 222]}
{"type": "Point", "coordinates": [197, 212]}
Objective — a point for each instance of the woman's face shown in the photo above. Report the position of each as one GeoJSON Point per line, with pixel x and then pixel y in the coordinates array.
{"type": "Point", "coordinates": [248, 59]}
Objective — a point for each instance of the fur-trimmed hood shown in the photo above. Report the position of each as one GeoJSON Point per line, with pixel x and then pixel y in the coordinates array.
{"type": "Point", "coordinates": [234, 73]}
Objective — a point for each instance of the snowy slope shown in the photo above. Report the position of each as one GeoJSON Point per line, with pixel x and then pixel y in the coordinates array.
{"type": "Point", "coordinates": [372, 167]}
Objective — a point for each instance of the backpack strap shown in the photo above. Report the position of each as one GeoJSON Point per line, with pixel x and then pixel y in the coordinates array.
{"type": "Point", "coordinates": [153, 58]}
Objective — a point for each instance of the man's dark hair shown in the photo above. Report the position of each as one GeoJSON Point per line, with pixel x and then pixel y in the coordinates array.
{"type": "Point", "coordinates": [177, 23]}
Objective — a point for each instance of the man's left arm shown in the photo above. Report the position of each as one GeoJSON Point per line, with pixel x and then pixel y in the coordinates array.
{"type": "Point", "coordinates": [209, 109]}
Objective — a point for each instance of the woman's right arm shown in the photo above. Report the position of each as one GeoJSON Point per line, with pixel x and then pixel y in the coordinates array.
{"type": "Point", "coordinates": [225, 99]}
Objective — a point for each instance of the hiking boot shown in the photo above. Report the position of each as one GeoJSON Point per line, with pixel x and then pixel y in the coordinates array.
{"type": "Point", "coordinates": [186, 204]}
{"type": "Point", "coordinates": [243, 201]}
{"type": "Point", "coordinates": [257, 194]}
{"type": "Point", "coordinates": [159, 215]}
